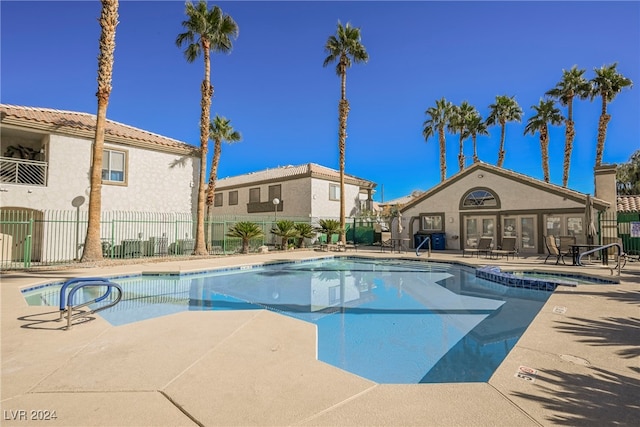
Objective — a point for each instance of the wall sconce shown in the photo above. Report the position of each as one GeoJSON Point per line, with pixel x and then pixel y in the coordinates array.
{"type": "Point", "coordinates": [450, 219]}
{"type": "Point", "coordinates": [480, 176]}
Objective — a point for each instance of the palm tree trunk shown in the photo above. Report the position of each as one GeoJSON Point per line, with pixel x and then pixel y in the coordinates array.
{"type": "Point", "coordinates": [213, 174]}
{"type": "Point", "coordinates": [568, 148]}
{"type": "Point", "coordinates": [602, 131]}
{"type": "Point", "coordinates": [544, 149]}
{"type": "Point", "coordinates": [108, 22]}
{"type": "Point", "coordinates": [443, 156]}
{"type": "Point", "coordinates": [461, 152]}
{"type": "Point", "coordinates": [342, 140]}
{"type": "Point", "coordinates": [475, 149]}
{"type": "Point", "coordinates": [501, 151]}
{"type": "Point", "coordinates": [205, 112]}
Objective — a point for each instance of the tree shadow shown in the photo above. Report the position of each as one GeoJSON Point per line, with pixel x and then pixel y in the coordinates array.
{"type": "Point", "coordinates": [610, 331]}
{"type": "Point", "coordinates": [630, 297]}
{"type": "Point", "coordinates": [594, 399]}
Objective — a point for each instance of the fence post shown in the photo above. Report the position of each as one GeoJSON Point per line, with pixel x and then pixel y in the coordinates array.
{"type": "Point", "coordinates": [27, 246]}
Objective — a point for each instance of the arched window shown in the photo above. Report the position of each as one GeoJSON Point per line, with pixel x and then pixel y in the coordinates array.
{"type": "Point", "coordinates": [480, 198]}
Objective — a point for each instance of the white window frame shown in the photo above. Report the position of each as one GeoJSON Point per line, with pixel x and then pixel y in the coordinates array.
{"type": "Point", "coordinates": [107, 154]}
{"type": "Point", "coordinates": [334, 192]}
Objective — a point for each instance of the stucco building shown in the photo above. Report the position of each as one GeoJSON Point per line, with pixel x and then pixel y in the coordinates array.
{"type": "Point", "coordinates": [304, 191]}
{"type": "Point", "coordinates": [485, 200]}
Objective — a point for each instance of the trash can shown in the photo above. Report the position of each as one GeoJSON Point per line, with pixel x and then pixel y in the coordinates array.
{"type": "Point", "coordinates": [438, 241]}
{"type": "Point", "coordinates": [418, 239]}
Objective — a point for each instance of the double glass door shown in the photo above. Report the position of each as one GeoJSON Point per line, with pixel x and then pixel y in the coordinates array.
{"type": "Point", "coordinates": [523, 228]}
{"type": "Point", "coordinates": [477, 227]}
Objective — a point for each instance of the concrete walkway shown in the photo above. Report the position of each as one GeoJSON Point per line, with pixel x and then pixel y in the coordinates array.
{"type": "Point", "coordinates": [246, 368]}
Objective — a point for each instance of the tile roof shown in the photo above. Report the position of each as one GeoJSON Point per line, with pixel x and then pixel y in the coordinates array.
{"type": "Point", "coordinates": [287, 172]}
{"type": "Point", "coordinates": [83, 124]}
{"type": "Point", "coordinates": [628, 203]}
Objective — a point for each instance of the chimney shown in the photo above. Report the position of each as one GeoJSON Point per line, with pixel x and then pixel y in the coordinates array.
{"type": "Point", "coordinates": [605, 185]}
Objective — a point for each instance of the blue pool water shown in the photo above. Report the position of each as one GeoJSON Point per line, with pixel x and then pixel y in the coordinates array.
{"type": "Point", "coordinates": [391, 321]}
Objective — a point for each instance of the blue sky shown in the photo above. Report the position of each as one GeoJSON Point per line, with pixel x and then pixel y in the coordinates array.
{"type": "Point", "coordinates": [277, 94]}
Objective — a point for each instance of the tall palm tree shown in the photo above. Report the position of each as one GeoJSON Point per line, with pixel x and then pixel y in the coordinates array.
{"type": "Point", "coordinates": [546, 113]}
{"type": "Point", "coordinates": [458, 124]}
{"type": "Point", "coordinates": [344, 47]}
{"type": "Point", "coordinates": [439, 117]}
{"type": "Point", "coordinates": [476, 126]}
{"type": "Point", "coordinates": [505, 109]}
{"type": "Point", "coordinates": [206, 31]}
{"type": "Point", "coordinates": [573, 84]}
{"type": "Point", "coordinates": [220, 130]}
{"type": "Point", "coordinates": [108, 23]}
{"type": "Point", "coordinates": [607, 84]}
{"type": "Point", "coordinates": [245, 230]}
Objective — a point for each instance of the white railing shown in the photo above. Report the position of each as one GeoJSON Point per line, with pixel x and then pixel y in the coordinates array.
{"type": "Point", "coordinates": [19, 171]}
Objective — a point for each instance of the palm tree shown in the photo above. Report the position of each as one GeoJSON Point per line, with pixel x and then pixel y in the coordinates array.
{"type": "Point", "coordinates": [344, 47]}
{"type": "Point", "coordinates": [505, 109]}
{"type": "Point", "coordinates": [245, 230]}
{"type": "Point", "coordinates": [546, 113]}
{"type": "Point", "coordinates": [108, 23]}
{"type": "Point", "coordinates": [286, 230]}
{"type": "Point", "coordinates": [458, 124]}
{"type": "Point", "coordinates": [329, 227]}
{"type": "Point", "coordinates": [476, 126]}
{"type": "Point", "coordinates": [439, 117]}
{"type": "Point", "coordinates": [305, 231]}
{"type": "Point", "coordinates": [573, 84]}
{"type": "Point", "coordinates": [220, 129]}
{"type": "Point", "coordinates": [607, 84]}
{"type": "Point", "coordinates": [206, 31]}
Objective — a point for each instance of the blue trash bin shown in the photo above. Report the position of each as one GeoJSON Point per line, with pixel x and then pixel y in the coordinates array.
{"type": "Point", "coordinates": [438, 241]}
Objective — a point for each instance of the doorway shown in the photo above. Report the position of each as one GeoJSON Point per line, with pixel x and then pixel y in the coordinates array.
{"type": "Point", "coordinates": [524, 229]}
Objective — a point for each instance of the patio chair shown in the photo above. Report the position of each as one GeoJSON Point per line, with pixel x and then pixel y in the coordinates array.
{"type": "Point", "coordinates": [508, 248]}
{"type": "Point", "coordinates": [564, 244]}
{"type": "Point", "coordinates": [553, 250]}
{"type": "Point", "coordinates": [484, 246]}
{"type": "Point", "coordinates": [385, 241]}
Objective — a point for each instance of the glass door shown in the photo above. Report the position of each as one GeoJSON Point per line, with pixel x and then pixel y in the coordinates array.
{"type": "Point", "coordinates": [523, 228]}
{"type": "Point", "coordinates": [477, 227]}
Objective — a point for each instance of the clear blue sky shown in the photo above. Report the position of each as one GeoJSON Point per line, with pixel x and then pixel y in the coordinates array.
{"type": "Point", "coordinates": [277, 94]}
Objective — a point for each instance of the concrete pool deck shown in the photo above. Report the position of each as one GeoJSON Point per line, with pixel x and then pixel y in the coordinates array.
{"type": "Point", "coordinates": [244, 368]}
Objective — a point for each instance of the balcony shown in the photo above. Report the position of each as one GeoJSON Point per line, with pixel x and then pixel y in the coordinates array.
{"type": "Point", "coordinates": [25, 172]}
{"type": "Point", "coordinates": [260, 207]}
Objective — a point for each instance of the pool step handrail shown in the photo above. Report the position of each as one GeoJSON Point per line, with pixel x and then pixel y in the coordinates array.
{"type": "Point", "coordinates": [66, 300]}
{"type": "Point", "coordinates": [427, 240]}
{"type": "Point", "coordinates": [600, 248]}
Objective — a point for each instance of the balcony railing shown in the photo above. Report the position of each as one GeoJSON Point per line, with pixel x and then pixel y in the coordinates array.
{"type": "Point", "coordinates": [19, 171]}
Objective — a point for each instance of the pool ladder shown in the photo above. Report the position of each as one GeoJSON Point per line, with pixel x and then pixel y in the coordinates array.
{"type": "Point", "coordinates": [428, 242]}
{"type": "Point", "coordinates": [619, 257]}
{"type": "Point", "coordinates": [71, 311]}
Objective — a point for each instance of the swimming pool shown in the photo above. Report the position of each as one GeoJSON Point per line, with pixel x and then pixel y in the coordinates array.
{"type": "Point", "coordinates": [391, 321]}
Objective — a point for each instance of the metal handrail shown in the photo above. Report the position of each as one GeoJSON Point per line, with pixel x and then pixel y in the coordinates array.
{"type": "Point", "coordinates": [599, 248]}
{"type": "Point", "coordinates": [428, 239]}
{"type": "Point", "coordinates": [78, 283]}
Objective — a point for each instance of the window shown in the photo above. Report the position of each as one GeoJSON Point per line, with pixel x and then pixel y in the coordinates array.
{"type": "Point", "coordinates": [233, 198]}
{"type": "Point", "coordinates": [275, 192]}
{"type": "Point", "coordinates": [480, 198]}
{"type": "Point", "coordinates": [113, 166]}
{"type": "Point", "coordinates": [217, 199]}
{"type": "Point", "coordinates": [254, 195]}
{"type": "Point", "coordinates": [431, 222]}
{"type": "Point", "coordinates": [334, 192]}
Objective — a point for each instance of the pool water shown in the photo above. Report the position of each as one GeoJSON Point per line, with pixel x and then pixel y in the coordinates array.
{"type": "Point", "coordinates": [391, 321]}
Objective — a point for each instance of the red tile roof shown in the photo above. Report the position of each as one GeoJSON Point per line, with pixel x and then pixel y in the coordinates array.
{"type": "Point", "coordinates": [628, 203]}
{"type": "Point", "coordinates": [83, 124]}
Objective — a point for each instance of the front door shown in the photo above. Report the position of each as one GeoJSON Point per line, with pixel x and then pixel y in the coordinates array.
{"type": "Point", "coordinates": [524, 228]}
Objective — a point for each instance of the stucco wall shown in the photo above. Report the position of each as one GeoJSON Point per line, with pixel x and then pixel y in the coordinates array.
{"type": "Point", "coordinates": [153, 185]}
{"type": "Point", "coordinates": [513, 196]}
{"type": "Point", "coordinates": [325, 208]}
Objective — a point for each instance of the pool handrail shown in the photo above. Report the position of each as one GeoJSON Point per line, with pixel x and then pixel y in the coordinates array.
{"type": "Point", "coordinates": [428, 241]}
{"type": "Point", "coordinates": [600, 248]}
{"type": "Point", "coordinates": [65, 286]}
{"type": "Point", "coordinates": [78, 284]}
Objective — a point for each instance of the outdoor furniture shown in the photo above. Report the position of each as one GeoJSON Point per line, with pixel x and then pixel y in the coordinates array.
{"type": "Point", "coordinates": [385, 241]}
{"type": "Point", "coordinates": [565, 242]}
{"type": "Point", "coordinates": [553, 250]}
{"type": "Point", "coordinates": [508, 248]}
{"type": "Point", "coordinates": [484, 246]}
